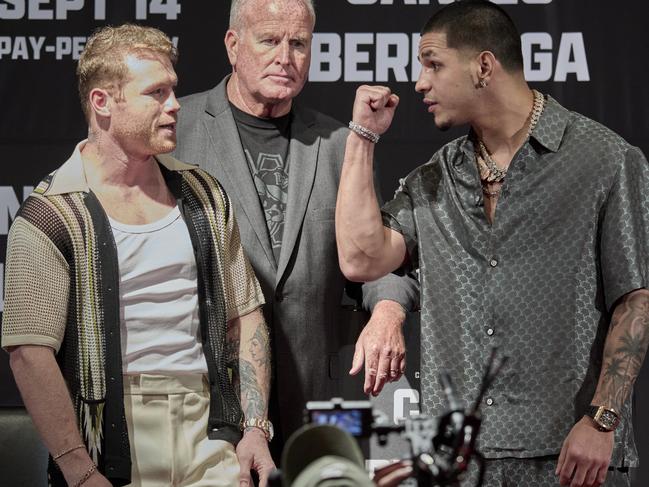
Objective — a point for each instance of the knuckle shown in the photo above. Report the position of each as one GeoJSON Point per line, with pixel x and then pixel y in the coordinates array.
{"type": "Point", "coordinates": [387, 350]}
{"type": "Point", "coordinates": [576, 454]}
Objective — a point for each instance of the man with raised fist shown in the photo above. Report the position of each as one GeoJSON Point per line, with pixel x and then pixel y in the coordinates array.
{"type": "Point", "coordinates": [531, 234]}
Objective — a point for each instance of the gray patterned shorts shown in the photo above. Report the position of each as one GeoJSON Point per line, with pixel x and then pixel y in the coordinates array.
{"type": "Point", "coordinates": [532, 472]}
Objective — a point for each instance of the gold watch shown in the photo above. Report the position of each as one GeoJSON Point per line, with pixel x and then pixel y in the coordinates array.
{"type": "Point", "coordinates": [605, 419]}
{"type": "Point", "coordinates": [263, 424]}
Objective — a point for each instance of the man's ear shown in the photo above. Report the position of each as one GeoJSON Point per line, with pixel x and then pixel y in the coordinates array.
{"type": "Point", "coordinates": [483, 68]}
{"type": "Point", "coordinates": [99, 99]}
{"type": "Point", "coordinates": [232, 46]}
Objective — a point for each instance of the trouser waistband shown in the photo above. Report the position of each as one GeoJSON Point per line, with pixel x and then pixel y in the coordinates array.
{"type": "Point", "coordinates": [144, 384]}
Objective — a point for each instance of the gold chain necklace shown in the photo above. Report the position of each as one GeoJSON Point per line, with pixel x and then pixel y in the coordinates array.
{"type": "Point", "coordinates": [491, 194]}
{"type": "Point", "coordinates": [489, 171]}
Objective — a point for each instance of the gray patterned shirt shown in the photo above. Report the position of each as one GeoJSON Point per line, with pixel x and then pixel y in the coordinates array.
{"type": "Point", "coordinates": [570, 237]}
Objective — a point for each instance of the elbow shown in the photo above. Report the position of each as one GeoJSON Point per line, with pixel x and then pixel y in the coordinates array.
{"type": "Point", "coordinates": [19, 360]}
{"type": "Point", "coordinates": [23, 357]}
{"type": "Point", "coordinates": [17, 357]}
{"type": "Point", "coordinates": [358, 272]}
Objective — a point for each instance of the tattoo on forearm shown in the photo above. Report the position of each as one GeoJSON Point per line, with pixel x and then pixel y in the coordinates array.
{"type": "Point", "coordinates": [625, 348]}
{"type": "Point", "coordinates": [232, 345]}
{"type": "Point", "coordinates": [232, 353]}
{"type": "Point", "coordinates": [247, 354]}
{"type": "Point", "coordinates": [259, 346]}
{"type": "Point", "coordinates": [253, 401]}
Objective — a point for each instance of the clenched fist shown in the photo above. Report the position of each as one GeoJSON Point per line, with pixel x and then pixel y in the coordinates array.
{"type": "Point", "coordinates": [374, 107]}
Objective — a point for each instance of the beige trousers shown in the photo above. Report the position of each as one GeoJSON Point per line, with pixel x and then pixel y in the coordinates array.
{"type": "Point", "coordinates": [167, 426]}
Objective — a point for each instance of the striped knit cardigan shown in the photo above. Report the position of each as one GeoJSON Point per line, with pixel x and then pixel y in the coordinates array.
{"type": "Point", "coordinates": [90, 355]}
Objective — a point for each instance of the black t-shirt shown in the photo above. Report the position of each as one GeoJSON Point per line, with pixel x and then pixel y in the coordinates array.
{"type": "Point", "coordinates": [266, 142]}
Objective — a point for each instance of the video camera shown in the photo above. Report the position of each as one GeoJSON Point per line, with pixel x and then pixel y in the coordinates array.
{"type": "Point", "coordinates": [355, 417]}
{"type": "Point", "coordinates": [441, 449]}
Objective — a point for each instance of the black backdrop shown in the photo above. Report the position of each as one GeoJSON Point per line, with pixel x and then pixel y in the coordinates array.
{"type": "Point", "coordinates": [588, 54]}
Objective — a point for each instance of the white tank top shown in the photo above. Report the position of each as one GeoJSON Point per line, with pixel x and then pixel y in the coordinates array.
{"type": "Point", "coordinates": [158, 298]}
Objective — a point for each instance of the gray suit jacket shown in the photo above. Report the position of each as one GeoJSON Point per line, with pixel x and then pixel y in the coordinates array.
{"type": "Point", "coordinates": [304, 289]}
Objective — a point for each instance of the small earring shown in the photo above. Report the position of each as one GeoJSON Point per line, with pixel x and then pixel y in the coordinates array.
{"type": "Point", "coordinates": [482, 83]}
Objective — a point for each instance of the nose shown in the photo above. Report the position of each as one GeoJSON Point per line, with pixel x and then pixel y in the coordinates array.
{"type": "Point", "coordinates": [283, 53]}
{"type": "Point", "coordinates": [423, 84]}
{"type": "Point", "coordinates": [172, 103]}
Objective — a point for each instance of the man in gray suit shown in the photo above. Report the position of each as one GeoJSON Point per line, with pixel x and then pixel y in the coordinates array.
{"type": "Point", "coordinates": [280, 162]}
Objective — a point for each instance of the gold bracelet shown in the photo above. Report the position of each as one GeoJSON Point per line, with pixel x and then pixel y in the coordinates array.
{"type": "Point", "coordinates": [65, 452]}
{"type": "Point", "coordinates": [86, 476]}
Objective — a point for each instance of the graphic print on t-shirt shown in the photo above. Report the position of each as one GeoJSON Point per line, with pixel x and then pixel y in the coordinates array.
{"type": "Point", "coordinates": [270, 174]}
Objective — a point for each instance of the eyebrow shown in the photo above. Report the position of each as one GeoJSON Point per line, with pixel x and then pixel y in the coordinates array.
{"type": "Point", "coordinates": [427, 53]}
{"type": "Point", "coordinates": [266, 33]}
{"type": "Point", "coordinates": [160, 84]}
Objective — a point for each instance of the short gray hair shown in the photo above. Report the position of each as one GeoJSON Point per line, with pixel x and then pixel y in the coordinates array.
{"type": "Point", "coordinates": [237, 7]}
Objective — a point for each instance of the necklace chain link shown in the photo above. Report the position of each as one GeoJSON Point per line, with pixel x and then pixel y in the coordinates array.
{"type": "Point", "coordinates": [489, 170]}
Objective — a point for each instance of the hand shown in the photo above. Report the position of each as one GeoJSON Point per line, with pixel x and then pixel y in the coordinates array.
{"type": "Point", "coordinates": [392, 475]}
{"type": "Point", "coordinates": [252, 452]}
{"type": "Point", "coordinates": [585, 455]}
{"type": "Point", "coordinates": [374, 107]}
{"type": "Point", "coordinates": [381, 347]}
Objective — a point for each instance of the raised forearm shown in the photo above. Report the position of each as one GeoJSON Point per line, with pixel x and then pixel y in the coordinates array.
{"type": "Point", "coordinates": [364, 244]}
{"type": "Point", "coordinates": [248, 353]}
{"type": "Point", "coordinates": [624, 350]}
{"type": "Point", "coordinates": [48, 402]}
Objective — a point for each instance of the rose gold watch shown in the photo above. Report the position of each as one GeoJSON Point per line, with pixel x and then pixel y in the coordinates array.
{"type": "Point", "coordinates": [605, 419]}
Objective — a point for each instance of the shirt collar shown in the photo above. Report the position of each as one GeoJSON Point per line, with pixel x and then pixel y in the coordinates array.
{"type": "Point", "coordinates": [71, 177]}
{"type": "Point", "coordinates": [548, 132]}
{"type": "Point", "coordinates": [551, 125]}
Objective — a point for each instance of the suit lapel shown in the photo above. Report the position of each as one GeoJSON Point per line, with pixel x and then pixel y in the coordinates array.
{"type": "Point", "coordinates": [230, 163]}
{"type": "Point", "coordinates": [303, 157]}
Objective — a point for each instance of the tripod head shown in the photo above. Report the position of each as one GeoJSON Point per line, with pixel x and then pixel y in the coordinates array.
{"type": "Point", "coordinates": [442, 449]}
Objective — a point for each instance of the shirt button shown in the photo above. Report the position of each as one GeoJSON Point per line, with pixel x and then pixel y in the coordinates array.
{"type": "Point", "coordinates": [489, 401]}
{"type": "Point", "coordinates": [493, 262]}
{"type": "Point", "coordinates": [490, 331]}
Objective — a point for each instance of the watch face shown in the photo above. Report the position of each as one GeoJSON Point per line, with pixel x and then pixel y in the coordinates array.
{"type": "Point", "coordinates": [608, 419]}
